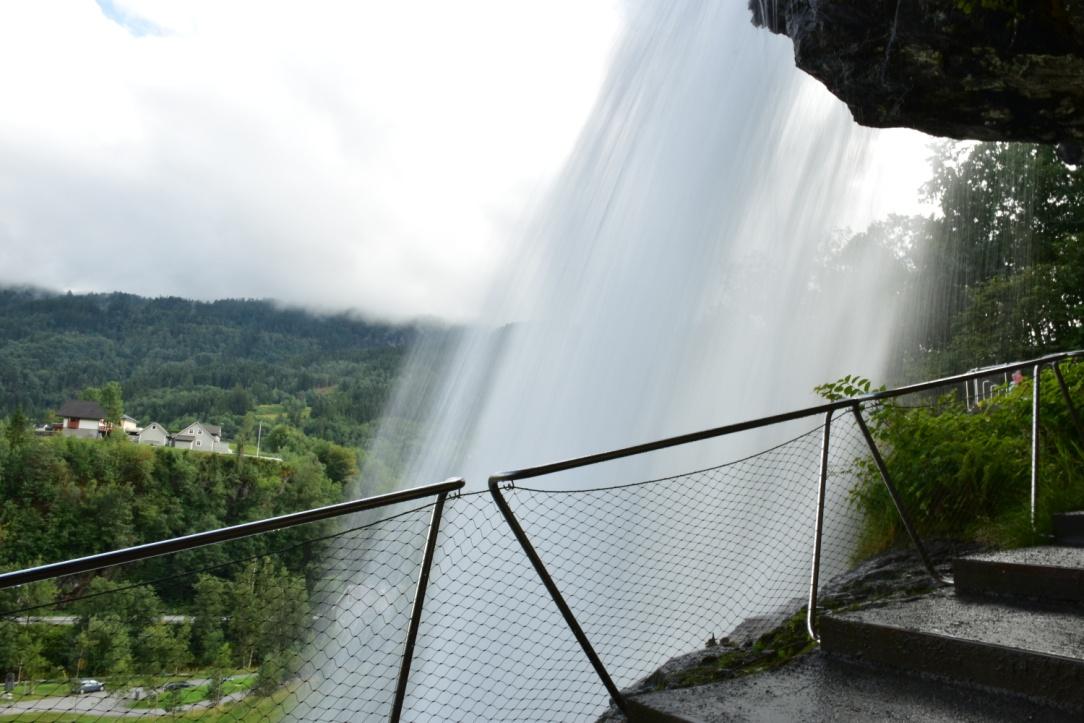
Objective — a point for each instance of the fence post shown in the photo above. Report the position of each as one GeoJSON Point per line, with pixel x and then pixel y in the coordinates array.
{"type": "Point", "coordinates": [815, 573]}
{"type": "Point", "coordinates": [1069, 401]}
{"type": "Point", "coordinates": [1034, 441]}
{"type": "Point", "coordinates": [896, 500]}
{"type": "Point", "coordinates": [416, 609]}
{"type": "Point", "coordinates": [558, 599]}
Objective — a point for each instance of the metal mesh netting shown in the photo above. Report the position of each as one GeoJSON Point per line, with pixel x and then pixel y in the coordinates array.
{"type": "Point", "coordinates": [492, 645]}
{"type": "Point", "coordinates": [248, 637]}
{"type": "Point", "coordinates": [655, 569]}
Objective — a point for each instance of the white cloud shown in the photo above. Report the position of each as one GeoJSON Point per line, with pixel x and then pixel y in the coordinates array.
{"type": "Point", "coordinates": [370, 155]}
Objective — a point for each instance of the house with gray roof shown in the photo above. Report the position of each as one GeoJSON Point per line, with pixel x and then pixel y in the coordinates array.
{"type": "Point", "coordinates": [154, 434]}
{"type": "Point", "coordinates": [82, 418]}
{"type": "Point", "coordinates": [201, 437]}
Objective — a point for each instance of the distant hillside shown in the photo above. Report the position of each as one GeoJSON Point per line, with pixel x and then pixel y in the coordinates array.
{"type": "Point", "coordinates": [179, 359]}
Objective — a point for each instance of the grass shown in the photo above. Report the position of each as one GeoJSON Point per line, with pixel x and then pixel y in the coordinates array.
{"type": "Point", "coordinates": [249, 710]}
{"type": "Point", "coordinates": [268, 412]}
{"type": "Point", "coordinates": [41, 690]}
{"type": "Point", "coordinates": [197, 693]}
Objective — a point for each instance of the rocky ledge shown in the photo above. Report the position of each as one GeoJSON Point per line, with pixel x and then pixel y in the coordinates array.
{"type": "Point", "coordinates": [982, 69]}
{"type": "Point", "coordinates": [764, 643]}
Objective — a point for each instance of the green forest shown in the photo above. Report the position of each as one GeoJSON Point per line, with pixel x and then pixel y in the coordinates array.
{"type": "Point", "coordinates": [65, 497]}
{"type": "Point", "coordinates": [179, 360]}
{"type": "Point", "coordinates": [996, 274]}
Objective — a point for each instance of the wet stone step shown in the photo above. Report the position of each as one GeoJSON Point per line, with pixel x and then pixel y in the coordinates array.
{"type": "Point", "coordinates": [1036, 651]}
{"type": "Point", "coordinates": [1044, 573]}
{"type": "Point", "coordinates": [1069, 528]}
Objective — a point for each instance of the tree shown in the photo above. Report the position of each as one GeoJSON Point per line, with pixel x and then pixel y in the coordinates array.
{"type": "Point", "coordinates": [103, 648]}
{"type": "Point", "coordinates": [20, 652]}
{"type": "Point", "coordinates": [163, 648]}
{"type": "Point", "coordinates": [1006, 207]}
{"type": "Point", "coordinates": [339, 462]}
{"type": "Point", "coordinates": [18, 429]}
{"type": "Point", "coordinates": [219, 672]}
{"type": "Point", "coordinates": [135, 607]}
{"type": "Point", "coordinates": [111, 397]}
{"type": "Point", "coordinates": [209, 609]}
{"type": "Point", "coordinates": [239, 400]}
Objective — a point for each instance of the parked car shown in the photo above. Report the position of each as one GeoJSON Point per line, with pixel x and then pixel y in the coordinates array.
{"type": "Point", "coordinates": [90, 685]}
{"type": "Point", "coordinates": [178, 685]}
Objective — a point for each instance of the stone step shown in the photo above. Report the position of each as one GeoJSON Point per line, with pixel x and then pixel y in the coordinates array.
{"type": "Point", "coordinates": [1069, 528]}
{"type": "Point", "coordinates": [1036, 651]}
{"type": "Point", "coordinates": [1043, 573]}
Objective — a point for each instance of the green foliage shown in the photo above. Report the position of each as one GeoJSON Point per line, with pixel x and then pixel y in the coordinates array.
{"type": "Point", "coordinates": [178, 360]}
{"type": "Point", "coordinates": [63, 497]}
{"type": "Point", "coordinates": [102, 648]}
{"type": "Point", "coordinates": [846, 387]}
{"type": "Point", "coordinates": [219, 672]}
{"type": "Point", "coordinates": [275, 670]}
{"type": "Point", "coordinates": [162, 647]}
{"type": "Point", "coordinates": [965, 475]}
{"type": "Point", "coordinates": [111, 398]}
{"type": "Point", "coordinates": [997, 274]}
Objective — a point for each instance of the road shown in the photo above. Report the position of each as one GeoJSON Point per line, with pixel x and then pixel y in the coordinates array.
{"type": "Point", "coordinates": [103, 704]}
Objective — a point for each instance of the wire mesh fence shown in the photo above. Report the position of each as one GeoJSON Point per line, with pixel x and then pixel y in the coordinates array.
{"type": "Point", "coordinates": [659, 568]}
{"type": "Point", "coordinates": [249, 637]}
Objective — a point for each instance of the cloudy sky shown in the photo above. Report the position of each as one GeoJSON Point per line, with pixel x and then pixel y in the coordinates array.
{"type": "Point", "coordinates": [370, 155]}
{"type": "Point", "coordinates": [365, 155]}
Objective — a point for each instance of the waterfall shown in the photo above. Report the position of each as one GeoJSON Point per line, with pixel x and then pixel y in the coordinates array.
{"type": "Point", "coordinates": [671, 279]}
{"type": "Point", "coordinates": [676, 277]}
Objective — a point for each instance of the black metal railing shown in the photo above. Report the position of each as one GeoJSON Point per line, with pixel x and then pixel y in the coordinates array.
{"type": "Point", "coordinates": [514, 609]}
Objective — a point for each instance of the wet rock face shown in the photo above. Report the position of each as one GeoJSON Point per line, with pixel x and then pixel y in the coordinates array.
{"type": "Point", "coordinates": [980, 69]}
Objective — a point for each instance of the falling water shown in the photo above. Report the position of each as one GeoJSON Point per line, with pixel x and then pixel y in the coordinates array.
{"type": "Point", "coordinates": [674, 277]}
{"type": "Point", "coordinates": [670, 280]}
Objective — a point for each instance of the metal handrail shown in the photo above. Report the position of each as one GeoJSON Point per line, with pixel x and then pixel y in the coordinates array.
{"type": "Point", "coordinates": [224, 534]}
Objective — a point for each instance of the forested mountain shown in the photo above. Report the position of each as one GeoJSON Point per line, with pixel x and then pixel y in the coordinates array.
{"type": "Point", "coordinates": [179, 360]}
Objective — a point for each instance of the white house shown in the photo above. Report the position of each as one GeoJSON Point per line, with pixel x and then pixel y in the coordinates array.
{"type": "Point", "coordinates": [154, 434]}
{"type": "Point", "coordinates": [203, 437]}
{"type": "Point", "coordinates": [130, 424]}
{"type": "Point", "coordinates": [83, 418]}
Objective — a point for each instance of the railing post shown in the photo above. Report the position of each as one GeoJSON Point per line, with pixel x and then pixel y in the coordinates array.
{"type": "Point", "coordinates": [1069, 401]}
{"type": "Point", "coordinates": [558, 599]}
{"type": "Point", "coordinates": [416, 609]}
{"type": "Point", "coordinates": [815, 573]}
{"type": "Point", "coordinates": [1035, 441]}
{"type": "Point", "coordinates": [896, 499]}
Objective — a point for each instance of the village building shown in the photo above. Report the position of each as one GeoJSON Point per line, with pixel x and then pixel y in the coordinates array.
{"type": "Point", "coordinates": [86, 418]}
{"type": "Point", "coordinates": [203, 437]}
{"type": "Point", "coordinates": [154, 434]}
{"type": "Point", "coordinates": [82, 418]}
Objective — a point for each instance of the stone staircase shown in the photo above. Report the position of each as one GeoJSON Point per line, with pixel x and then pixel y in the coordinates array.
{"type": "Point", "coordinates": [1014, 622]}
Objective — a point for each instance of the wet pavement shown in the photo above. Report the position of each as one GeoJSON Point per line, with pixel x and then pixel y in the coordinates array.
{"type": "Point", "coordinates": [1050, 629]}
{"type": "Point", "coordinates": [816, 688]}
{"type": "Point", "coordinates": [1046, 556]}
